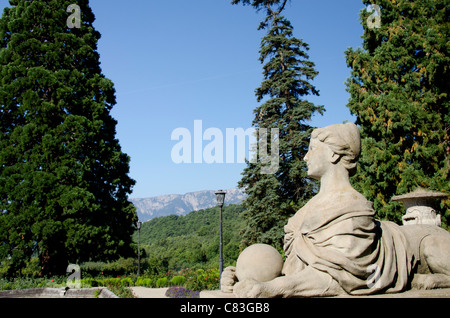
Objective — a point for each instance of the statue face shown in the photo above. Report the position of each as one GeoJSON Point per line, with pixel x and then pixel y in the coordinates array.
{"type": "Point", "coordinates": [318, 158]}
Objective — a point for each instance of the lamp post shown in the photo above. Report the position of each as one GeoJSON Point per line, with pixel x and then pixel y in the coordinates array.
{"type": "Point", "coordinates": [220, 197]}
{"type": "Point", "coordinates": [138, 225]}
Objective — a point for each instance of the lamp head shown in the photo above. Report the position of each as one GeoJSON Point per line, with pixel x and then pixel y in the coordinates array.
{"type": "Point", "coordinates": [220, 196]}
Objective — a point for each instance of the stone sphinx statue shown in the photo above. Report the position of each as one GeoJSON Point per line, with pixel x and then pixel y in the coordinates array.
{"type": "Point", "coordinates": [334, 246]}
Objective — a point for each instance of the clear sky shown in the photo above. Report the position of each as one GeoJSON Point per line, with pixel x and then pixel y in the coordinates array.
{"type": "Point", "coordinates": [176, 61]}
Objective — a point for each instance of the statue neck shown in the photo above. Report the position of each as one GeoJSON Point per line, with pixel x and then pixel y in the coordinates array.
{"type": "Point", "coordinates": [335, 179]}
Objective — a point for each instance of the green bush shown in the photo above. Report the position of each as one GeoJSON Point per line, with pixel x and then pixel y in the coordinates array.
{"type": "Point", "coordinates": [122, 266]}
{"type": "Point", "coordinates": [32, 268]}
{"type": "Point", "coordinates": [139, 281]}
{"type": "Point", "coordinates": [93, 268]}
{"type": "Point", "coordinates": [145, 282]}
{"type": "Point", "coordinates": [162, 282]}
{"type": "Point", "coordinates": [88, 282]}
{"type": "Point", "coordinates": [203, 280]}
{"type": "Point", "coordinates": [4, 268]}
{"type": "Point", "coordinates": [178, 280]}
{"type": "Point", "coordinates": [107, 282]}
{"type": "Point", "coordinates": [121, 291]}
{"type": "Point", "coordinates": [126, 282]}
{"type": "Point", "coordinates": [28, 282]}
{"type": "Point", "coordinates": [5, 285]}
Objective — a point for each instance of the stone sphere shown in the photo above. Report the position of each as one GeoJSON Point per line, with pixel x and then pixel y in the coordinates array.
{"type": "Point", "coordinates": [260, 262]}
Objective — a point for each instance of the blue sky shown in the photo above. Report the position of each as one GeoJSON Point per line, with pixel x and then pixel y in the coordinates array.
{"type": "Point", "coordinates": [176, 61]}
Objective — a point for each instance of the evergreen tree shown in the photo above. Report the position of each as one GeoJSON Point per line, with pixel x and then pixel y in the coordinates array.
{"type": "Point", "coordinates": [63, 177]}
{"type": "Point", "coordinates": [399, 93]}
{"type": "Point", "coordinates": [273, 198]}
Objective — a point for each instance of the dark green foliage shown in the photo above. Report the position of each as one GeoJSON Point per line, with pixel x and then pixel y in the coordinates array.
{"type": "Point", "coordinates": [192, 240]}
{"type": "Point", "coordinates": [399, 89]}
{"type": "Point", "coordinates": [273, 198]}
{"type": "Point", "coordinates": [123, 266]}
{"type": "Point", "coordinates": [260, 4]}
{"type": "Point", "coordinates": [28, 283]}
{"type": "Point", "coordinates": [63, 176]}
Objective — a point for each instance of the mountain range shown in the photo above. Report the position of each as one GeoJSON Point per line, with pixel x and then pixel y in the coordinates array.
{"type": "Point", "coordinates": [182, 204]}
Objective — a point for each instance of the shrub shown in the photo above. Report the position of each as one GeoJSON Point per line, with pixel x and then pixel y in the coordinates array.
{"type": "Point", "coordinates": [162, 282]}
{"type": "Point", "coordinates": [178, 280]}
{"type": "Point", "coordinates": [122, 266]}
{"type": "Point", "coordinates": [5, 285]}
{"type": "Point", "coordinates": [92, 268]}
{"type": "Point", "coordinates": [146, 282]}
{"type": "Point", "coordinates": [108, 282]}
{"type": "Point", "coordinates": [139, 281]}
{"type": "Point", "coordinates": [121, 291]}
{"type": "Point", "coordinates": [126, 282]}
{"type": "Point", "coordinates": [28, 282]}
{"type": "Point", "coordinates": [32, 268]}
{"type": "Point", "coordinates": [203, 280]}
{"type": "Point", "coordinates": [88, 282]}
{"type": "Point", "coordinates": [4, 268]}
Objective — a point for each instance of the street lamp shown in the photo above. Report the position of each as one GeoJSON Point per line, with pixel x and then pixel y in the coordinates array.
{"type": "Point", "coordinates": [220, 196]}
{"type": "Point", "coordinates": [138, 225]}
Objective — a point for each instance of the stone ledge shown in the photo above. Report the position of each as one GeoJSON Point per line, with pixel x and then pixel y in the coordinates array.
{"type": "Point", "coordinates": [58, 293]}
{"type": "Point", "coordinates": [142, 292]}
{"type": "Point", "coordinates": [413, 293]}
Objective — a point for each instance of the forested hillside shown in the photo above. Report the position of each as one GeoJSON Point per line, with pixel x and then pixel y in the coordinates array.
{"type": "Point", "coordinates": [193, 240]}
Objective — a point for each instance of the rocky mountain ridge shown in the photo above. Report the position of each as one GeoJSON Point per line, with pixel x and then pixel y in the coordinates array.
{"type": "Point", "coordinates": [181, 204]}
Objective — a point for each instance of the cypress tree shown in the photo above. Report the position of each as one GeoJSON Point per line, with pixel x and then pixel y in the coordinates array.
{"type": "Point", "coordinates": [288, 72]}
{"type": "Point", "coordinates": [399, 94]}
{"type": "Point", "coordinates": [63, 177]}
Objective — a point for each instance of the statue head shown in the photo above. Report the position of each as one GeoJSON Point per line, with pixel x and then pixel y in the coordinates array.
{"type": "Point", "coordinates": [343, 140]}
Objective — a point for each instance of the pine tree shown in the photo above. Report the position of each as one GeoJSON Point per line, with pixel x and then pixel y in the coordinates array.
{"type": "Point", "coordinates": [273, 198]}
{"type": "Point", "coordinates": [63, 177]}
{"type": "Point", "coordinates": [399, 93]}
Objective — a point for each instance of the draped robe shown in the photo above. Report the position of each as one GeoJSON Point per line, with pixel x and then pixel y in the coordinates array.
{"type": "Point", "coordinates": [336, 233]}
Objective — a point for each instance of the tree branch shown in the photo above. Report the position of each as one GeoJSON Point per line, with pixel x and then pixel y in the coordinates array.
{"type": "Point", "coordinates": [282, 7]}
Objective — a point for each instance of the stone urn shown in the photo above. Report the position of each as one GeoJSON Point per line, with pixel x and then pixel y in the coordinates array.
{"type": "Point", "coordinates": [419, 206]}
